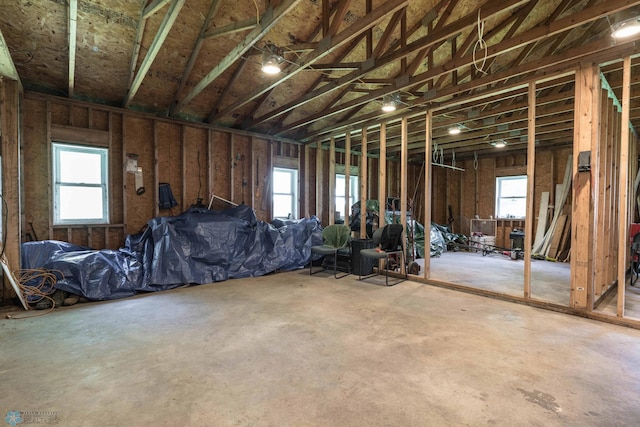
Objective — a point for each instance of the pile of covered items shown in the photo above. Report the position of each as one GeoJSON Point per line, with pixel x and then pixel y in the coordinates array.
{"type": "Point", "coordinates": [197, 247]}
{"type": "Point", "coordinates": [442, 238]}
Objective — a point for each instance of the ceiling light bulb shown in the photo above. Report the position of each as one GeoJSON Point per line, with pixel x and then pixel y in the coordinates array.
{"type": "Point", "coordinates": [389, 102]}
{"type": "Point", "coordinates": [270, 66]}
{"type": "Point", "coordinates": [389, 106]}
{"type": "Point", "coordinates": [499, 144]}
{"type": "Point", "coordinates": [454, 130]}
{"type": "Point", "coordinates": [627, 28]}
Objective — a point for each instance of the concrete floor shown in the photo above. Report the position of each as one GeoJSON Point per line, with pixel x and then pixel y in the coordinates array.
{"type": "Point", "coordinates": [294, 350]}
{"type": "Point", "coordinates": [550, 281]}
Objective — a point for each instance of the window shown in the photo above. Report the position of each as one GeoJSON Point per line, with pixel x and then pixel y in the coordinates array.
{"type": "Point", "coordinates": [285, 193]}
{"type": "Point", "coordinates": [511, 196]}
{"type": "Point", "coordinates": [353, 193]}
{"type": "Point", "coordinates": [80, 190]}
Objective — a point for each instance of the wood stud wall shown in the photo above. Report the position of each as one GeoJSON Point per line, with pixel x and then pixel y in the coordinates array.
{"type": "Point", "coordinates": [195, 160]}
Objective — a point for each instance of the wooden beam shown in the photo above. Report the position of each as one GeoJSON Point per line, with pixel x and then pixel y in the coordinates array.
{"type": "Point", "coordinates": [404, 191]}
{"type": "Point", "coordinates": [213, 9]}
{"type": "Point", "coordinates": [269, 19]}
{"type": "Point", "coordinates": [319, 182]}
{"type": "Point", "coordinates": [227, 88]}
{"type": "Point", "coordinates": [338, 17]}
{"type": "Point", "coordinates": [326, 47]}
{"type": "Point", "coordinates": [136, 45]}
{"type": "Point", "coordinates": [382, 176]}
{"type": "Point", "coordinates": [158, 40]}
{"type": "Point", "coordinates": [531, 161]}
{"type": "Point", "coordinates": [235, 27]}
{"type": "Point", "coordinates": [428, 149]}
{"type": "Point", "coordinates": [623, 177]}
{"type": "Point", "coordinates": [11, 170]}
{"type": "Point", "coordinates": [587, 93]}
{"type": "Point", "coordinates": [535, 34]}
{"type": "Point", "coordinates": [347, 178]}
{"type": "Point", "coordinates": [73, 22]}
{"type": "Point", "coordinates": [155, 6]}
{"type": "Point", "coordinates": [424, 42]}
{"type": "Point", "coordinates": [7, 67]}
{"type": "Point", "coordinates": [363, 185]}
{"type": "Point", "coordinates": [332, 181]}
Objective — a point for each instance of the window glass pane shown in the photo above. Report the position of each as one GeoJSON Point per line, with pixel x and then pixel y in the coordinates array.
{"type": "Point", "coordinates": [339, 186]}
{"type": "Point", "coordinates": [512, 208]}
{"type": "Point", "coordinates": [78, 167]}
{"type": "Point", "coordinates": [80, 203]}
{"type": "Point", "coordinates": [281, 205]}
{"type": "Point", "coordinates": [513, 187]}
{"type": "Point", "coordinates": [281, 182]}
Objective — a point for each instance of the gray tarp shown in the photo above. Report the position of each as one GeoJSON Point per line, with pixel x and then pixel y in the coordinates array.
{"type": "Point", "coordinates": [199, 246]}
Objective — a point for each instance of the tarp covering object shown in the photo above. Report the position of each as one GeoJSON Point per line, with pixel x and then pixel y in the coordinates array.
{"type": "Point", "coordinates": [197, 247]}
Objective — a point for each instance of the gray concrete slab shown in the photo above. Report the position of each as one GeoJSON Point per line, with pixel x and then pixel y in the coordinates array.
{"type": "Point", "coordinates": [294, 350]}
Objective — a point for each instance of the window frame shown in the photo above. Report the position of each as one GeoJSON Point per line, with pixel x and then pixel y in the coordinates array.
{"type": "Point", "coordinates": [58, 147]}
{"type": "Point", "coordinates": [499, 180]}
{"type": "Point", "coordinates": [294, 188]}
{"type": "Point", "coordinates": [354, 190]}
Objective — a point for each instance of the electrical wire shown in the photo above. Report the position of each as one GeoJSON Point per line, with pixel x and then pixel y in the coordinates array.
{"type": "Point", "coordinates": [481, 46]}
{"type": "Point", "coordinates": [41, 288]}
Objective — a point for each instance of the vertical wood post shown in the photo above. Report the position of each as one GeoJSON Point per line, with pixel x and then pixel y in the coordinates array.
{"type": "Point", "coordinates": [623, 206]}
{"type": "Point", "coordinates": [332, 181]}
{"type": "Point", "coordinates": [585, 139]}
{"type": "Point", "coordinates": [347, 177]}
{"type": "Point", "coordinates": [319, 182]}
{"type": "Point", "coordinates": [363, 185]}
{"type": "Point", "coordinates": [428, 147]}
{"type": "Point", "coordinates": [404, 155]}
{"type": "Point", "coordinates": [531, 167]}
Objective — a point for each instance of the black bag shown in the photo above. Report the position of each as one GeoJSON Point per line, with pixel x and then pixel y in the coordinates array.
{"type": "Point", "coordinates": [165, 196]}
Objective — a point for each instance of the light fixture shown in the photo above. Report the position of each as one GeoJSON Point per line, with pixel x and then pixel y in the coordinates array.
{"type": "Point", "coordinates": [499, 143]}
{"type": "Point", "coordinates": [626, 28]}
{"type": "Point", "coordinates": [271, 59]}
{"type": "Point", "coordinates": [454, 130]}
{"type": "Point", "coordinates": [390, 101]}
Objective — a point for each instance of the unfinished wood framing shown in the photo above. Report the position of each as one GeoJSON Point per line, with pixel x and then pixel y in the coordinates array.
{"type": "Point", "coordinates": [332, 181]}
{"type": "Point", "coordinates": [363, 185]}
{"type": "Point", "coordinates": [623, 175]}
{"type": "Point", "coordinates": [531, 161]}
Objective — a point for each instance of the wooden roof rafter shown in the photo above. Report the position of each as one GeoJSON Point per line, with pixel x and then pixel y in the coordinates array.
{"type": "Point", "coordinates": [327, 46]}
{"type": "Point", "coordinates": [156, 44]}
{"type": "Point", "coordinates": [268, 20]}
{"type": "Point", "coordinates": [73, 25]}
{"type": "Point", "coordinates": [535, 34]}
{"type": "Point", "coordinates": [213, 10]}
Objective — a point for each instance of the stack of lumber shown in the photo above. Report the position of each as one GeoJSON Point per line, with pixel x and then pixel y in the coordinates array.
{"type": "Point", "coordinates": [554, 243]}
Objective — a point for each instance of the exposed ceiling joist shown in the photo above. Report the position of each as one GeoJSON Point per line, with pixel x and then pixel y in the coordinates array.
{"type": "Point", "coordinates": [235, 27]}
{"type": "Point", "coordinates": [158, 40]}
{"type": "Point", "coordinates": [213, 9]}
{"type": "Point", "coordinates": [268, 20]}
{"type": "Point", "coordinates": [152, 8]}
{"type": "Point", "coordinates": [535, 34]}
{"type": "Point", "coordinates": [7, 67]}
{"type": "Point", "coordinates": [73, 24]}
{"type": "Point", "coordinates": [327, 46]}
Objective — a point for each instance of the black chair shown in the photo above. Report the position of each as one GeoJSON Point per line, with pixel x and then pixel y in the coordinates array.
{"type": "Point", "coordinates": [335, 240]}
{"type": "Point", "coordinates": [388, 240]}
{"type": "Point", "coordinates": [635, 258]}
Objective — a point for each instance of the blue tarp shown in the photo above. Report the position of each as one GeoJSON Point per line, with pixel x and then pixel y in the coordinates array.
{"type": "Point", "coordinates": [197, 247]}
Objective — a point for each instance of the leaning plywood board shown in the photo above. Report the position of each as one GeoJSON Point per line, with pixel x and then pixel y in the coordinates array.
{"type": "Point", "coordinates": [552, 252]}
{"type": "Point", "coordinates": [542, 219]}
{"type": "Point", "coordinates": [12, 279]}
{"type": "Point", "coordinates": [566, 187]}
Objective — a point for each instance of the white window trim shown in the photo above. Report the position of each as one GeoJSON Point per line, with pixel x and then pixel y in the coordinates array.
{"type": "Point", "coordinates": [294, 187]}
{"type": "Point", "coordinates": [56, 147]}
{"type": "Point", "coordinates": [498, 197]}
